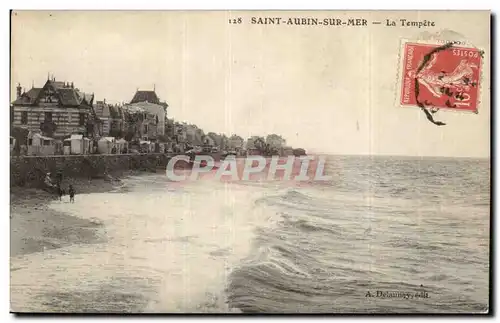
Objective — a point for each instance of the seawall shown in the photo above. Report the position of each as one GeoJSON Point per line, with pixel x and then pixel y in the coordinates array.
{"type": "Point", "coordinates": [31, 170]}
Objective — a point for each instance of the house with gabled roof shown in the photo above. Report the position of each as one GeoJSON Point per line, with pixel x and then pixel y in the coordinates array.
{"type": "Point", "coordinates": [145, 96]}
{"type": "Point", "coordinates": [57, 110]}
{"type": "Point", "coordinates": [149, 101]}
{"type": "Point", "coordinates": [112, 117]}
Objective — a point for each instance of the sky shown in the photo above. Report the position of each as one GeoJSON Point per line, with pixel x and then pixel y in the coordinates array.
{"type": "Point", "coordinates": [325, 89]}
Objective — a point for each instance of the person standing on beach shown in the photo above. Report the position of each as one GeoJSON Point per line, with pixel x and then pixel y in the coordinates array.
{"type": "Point", "coordinates": [71, 194]}
{"type": "Point", "coordinates": [60, 191]}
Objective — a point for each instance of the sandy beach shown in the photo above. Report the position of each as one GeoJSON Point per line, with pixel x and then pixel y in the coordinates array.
{"type": "Point", "coordinates": [34, 227]}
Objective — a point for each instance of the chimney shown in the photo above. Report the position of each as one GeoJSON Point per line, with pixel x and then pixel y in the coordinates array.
{"type": "Point", "coordinates": [72, 85]}
{"type": "Point", "coordinates": [18, 90]}
{"type": "Point", "coordinates": [104, 101]}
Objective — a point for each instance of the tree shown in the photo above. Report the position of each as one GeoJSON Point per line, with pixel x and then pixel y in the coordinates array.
{"type": "Point", "coordinates": [260, 144]}
{"type": "Point", "coordinates": [265, 149]}
{"type": "Point", "coordinates": [275, 141]}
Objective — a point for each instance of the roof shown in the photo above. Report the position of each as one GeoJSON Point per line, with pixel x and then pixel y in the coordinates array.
{"type": "Point", "coordinates": [143, 96]}
{"type": "Point", "coordinates": [115, 112]}
{"type": "Point", "coordinates": [57, 84]}
{"type": "Point", "coordinates": [28, 97]}
{"type": "Point", "coordinates": [76, 137]}
{"type": "Point", "coordinates": [33, 93]}
{"type": "Point", "coordinates": [102, 109]}
{"type": "Point", "coordinates": [69, 96]}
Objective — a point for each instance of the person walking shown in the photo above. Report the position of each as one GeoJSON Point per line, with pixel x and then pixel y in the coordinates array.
{"type": "Point", "coordinates": [71, 194]}
{"type": "Point", "coordinates": [60, 191]}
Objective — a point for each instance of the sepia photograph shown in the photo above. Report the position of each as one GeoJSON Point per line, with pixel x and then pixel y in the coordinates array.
{"type": "Point", "coordinates": [250, 162]}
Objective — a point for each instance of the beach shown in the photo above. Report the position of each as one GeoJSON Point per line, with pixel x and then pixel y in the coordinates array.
{"type": "Point", "coordinates": [36, 227]}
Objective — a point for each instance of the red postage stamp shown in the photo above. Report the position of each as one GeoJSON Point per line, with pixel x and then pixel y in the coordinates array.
{"type": "Point", "coordinates": [440, 76]}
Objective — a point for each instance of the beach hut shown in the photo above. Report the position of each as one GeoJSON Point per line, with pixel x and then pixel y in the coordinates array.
{"type": "Point", "coordinates": [40, 145]}
{"type": "Point", "coordinates": [122, 145]}
{"type": "Point", "coordinates": [79, 145]}
{"type": "Point", "coordinates": [58, 147]}
{"type": "Point", "coordinates": [67, 146]}
{"type": "Point", "coordinates": [105, 145]}
{"type": "Point", "coordinates": [146, 146]}
{"type": "Point", "coordinates": [12, 143]}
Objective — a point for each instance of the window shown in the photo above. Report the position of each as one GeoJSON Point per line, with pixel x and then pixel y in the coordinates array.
{"type": "Point", "coordinates": [24, 117]}
{"type": "Point", "coordinates": [146, 128]}
{"type": "Point", "coordinates": [48, 116]}
{"type": "Point", "coordinates": [82, 119]}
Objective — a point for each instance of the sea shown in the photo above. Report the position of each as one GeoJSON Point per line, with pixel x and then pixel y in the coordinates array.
{"type": "Point", "coordinates": [382, 235]}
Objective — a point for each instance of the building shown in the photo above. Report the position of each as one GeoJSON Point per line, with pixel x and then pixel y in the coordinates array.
{"type": "Point", "coordinates": [251, 142]}
{"type": "Point", "coordinates": [209, 141]}
{"type": "Point", "coordinates": [235, 143]}
{"type": "Point", "coordinates": [180, 139]}
{"type": "Point", "coordinates": [112, 119]}
{"type": "Point", "coordinates": [216, 138]}
{"type": "Point", "coordinates": [102, 111]}
{"type": "Point", "coordinates": [149, 101]}
{"type": "Point", "coordinates": [141, 124]}
{"type": "Point", "coordinates": [170, 129]}
{"type": "Point", "coordinates": [57, 109]}
{"type": "Point", "coordinates": [118, 125]}
{"type": "Point", "coordinates": [194, 135]}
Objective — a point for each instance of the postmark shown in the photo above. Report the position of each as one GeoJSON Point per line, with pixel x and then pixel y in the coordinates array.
{"type": "Point", "coordinates": [440, 76]}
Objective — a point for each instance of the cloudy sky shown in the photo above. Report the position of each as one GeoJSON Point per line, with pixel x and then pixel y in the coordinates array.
{"type": "Point", "coordinates": [327, 89]}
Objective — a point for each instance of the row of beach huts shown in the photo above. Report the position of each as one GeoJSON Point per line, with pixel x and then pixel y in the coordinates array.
{"type": "Point", "coordinates": [77, 144]}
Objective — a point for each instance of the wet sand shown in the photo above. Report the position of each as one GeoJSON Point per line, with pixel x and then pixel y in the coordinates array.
{"type": "Point", "coordinates": [35, 227]}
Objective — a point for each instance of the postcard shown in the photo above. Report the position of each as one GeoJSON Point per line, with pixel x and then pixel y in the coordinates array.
{"type": "Point", "coordinates": [270, 162]}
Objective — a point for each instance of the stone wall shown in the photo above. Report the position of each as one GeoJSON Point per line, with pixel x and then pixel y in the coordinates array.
{"type": "Point", "coordinates": [31, 170]}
